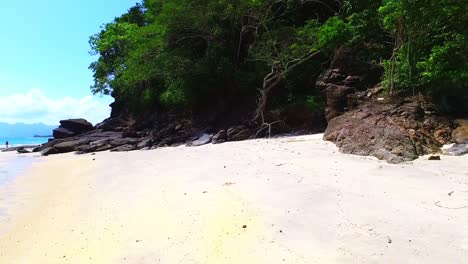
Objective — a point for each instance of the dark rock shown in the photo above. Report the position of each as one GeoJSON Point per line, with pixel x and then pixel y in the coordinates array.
{"type": "Point", "coordinates": [104, 148]}
{"type": "Point", "coordinates": [352, 80]}
{"type": "Point", "coordinates": [101, 142]}
{"type": "Point", "coordinates": [49, 151]}
{"type": "Point", "coordinates": [124, 148]}
{"type": "Point", "coordinates": [173, 141]}
{"type": "Point", "coordinates": [165, 132]}
{"type": "Point", "coordinates": [124, 141]}
{"type": "Point", "coordinates": [238, 133]}
{"type": "Point", "coordinates": [336, 100]}
{"type": "Point", "coordinates": [37, 149]}
{"type": "Point", "coordinates": [62, 132]}
{"type": "Point", "coordinates": [202, 140]}
{"type": "Point", "coordinates": [22, 150]}
{"type": "Point", "coordinates": [83, 149]}
{"type": "Point", "coordinates": [78, 126]}
{"type": "Point", "coordinates": [68, 146]}
{"type": "Point", "coordinates": [133, 134]}
{"type": "Point", "coordinates": [434, 158]}
{"type": "Point", "coordinates": [347, 75]}
{"type": "Point", "coordinates": [460, 134]}
{"type": "Point", "coordinates": [178, 127]}
{"type": "Point", "coordinates": [220, 137]}
{"type": "Point", "coordinates": [112, 124]}
{"type": "Point", "coordinates": [72, 127]}
{"type": "Point", "coordinates": [145, 143]}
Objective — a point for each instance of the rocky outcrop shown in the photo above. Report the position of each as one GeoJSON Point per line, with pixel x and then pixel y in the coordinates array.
{"type": "Point", "coordinates": [363, 121]}
{"type": "Point", "coordinates": [392, 131]}
{"type": "Point", "coordinates": [72, 127]}
{"type": "Point", "coordinates": [346, 76]}
{"type": "Point", "coordinates": [112, 134]}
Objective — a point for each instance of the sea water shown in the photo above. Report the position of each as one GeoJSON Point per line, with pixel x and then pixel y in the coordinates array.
{"type": "Point", "coordinates": [14, 142]}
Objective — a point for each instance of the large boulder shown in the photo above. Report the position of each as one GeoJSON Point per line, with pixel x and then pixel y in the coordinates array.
{"type": "Point", "coordinates": [61, 132]}
{"type": "Point", "coordinates": [49, 151]}
{"type": "Point", "coordinates": [391, 131]}
{"type": "Point", "coordinates": [72, 127]}
{"type": "Point", "coordinates": [77, 126]}
{"type": "Point", "coordinates": [460, 134]}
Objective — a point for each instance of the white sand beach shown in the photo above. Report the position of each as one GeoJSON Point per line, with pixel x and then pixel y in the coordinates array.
{"type": "Point", "coordinates": [286, 200]}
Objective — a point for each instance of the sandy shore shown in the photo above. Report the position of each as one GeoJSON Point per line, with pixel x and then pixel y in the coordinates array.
{"type": "Point", "coordinates": [288, 200]}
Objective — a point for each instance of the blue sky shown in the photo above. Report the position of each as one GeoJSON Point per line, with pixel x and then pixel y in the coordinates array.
{"type": "Point", "coordinates": [44, 56]}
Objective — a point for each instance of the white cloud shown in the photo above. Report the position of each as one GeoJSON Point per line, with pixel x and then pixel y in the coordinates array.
{"type": "Point", "coordinates": [35, 107]}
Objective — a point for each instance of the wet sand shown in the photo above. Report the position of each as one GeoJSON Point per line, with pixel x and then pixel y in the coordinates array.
{"type": "Point", "coordinates": [287, 200]}
{"type": "Point", "coordinates": [11, 164]}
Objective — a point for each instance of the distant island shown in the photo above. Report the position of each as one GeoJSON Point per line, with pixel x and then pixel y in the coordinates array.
{"type": "Point", "coordinates": [21, 130]}
{"type": "Point", "coordinates": [41, 136]}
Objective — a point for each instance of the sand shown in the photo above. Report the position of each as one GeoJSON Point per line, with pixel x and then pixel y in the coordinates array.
{"type": "Point", "coordinates": [285, 200]}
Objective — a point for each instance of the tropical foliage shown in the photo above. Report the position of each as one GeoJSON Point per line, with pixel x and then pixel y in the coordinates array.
{"type": "Point", "coordinates": [197, 54]}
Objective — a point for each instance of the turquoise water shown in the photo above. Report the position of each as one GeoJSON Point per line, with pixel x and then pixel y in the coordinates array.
{"type": "Point", "coordinates": [22, 141]}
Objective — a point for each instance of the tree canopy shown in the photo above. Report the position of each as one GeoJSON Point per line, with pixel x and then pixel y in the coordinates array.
{"type": "Point", "coordinates": [191, 54]}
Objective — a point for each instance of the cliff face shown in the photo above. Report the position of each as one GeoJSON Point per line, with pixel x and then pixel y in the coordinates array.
{"type": "Point", "coordinates": [364, 120]}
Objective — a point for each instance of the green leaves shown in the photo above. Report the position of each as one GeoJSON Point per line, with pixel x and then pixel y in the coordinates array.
{"type": "Point", "coordinates": [430, 51]}
{"type": "Point", "coordinates": [446, 65]}
{"type": "Point", "coordinates": [333, 33]}
{"type": "Point", "coordinates": [189, 53]}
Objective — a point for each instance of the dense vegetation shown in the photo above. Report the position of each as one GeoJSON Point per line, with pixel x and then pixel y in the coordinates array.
{"type": "Point", "coordinates": [222, 55]}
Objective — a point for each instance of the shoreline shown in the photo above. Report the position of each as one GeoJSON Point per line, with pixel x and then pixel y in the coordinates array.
{"type": "Point", "coordinates": [287, 200]}
{"type": "Point", "coordinates": [12, 164]}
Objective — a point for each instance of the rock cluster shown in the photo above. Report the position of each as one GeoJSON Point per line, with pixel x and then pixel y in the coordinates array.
{"type": "Point", "coordinates": [346, 77]}
{"type": "Point", "coordinates": [364, 121]}
{"type": "Point", "coordinates": [114, 135]}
